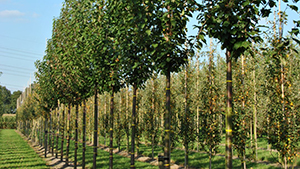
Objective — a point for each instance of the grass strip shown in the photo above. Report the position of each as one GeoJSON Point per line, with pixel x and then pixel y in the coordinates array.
{"type": "Point", "coordinates": [120, 162]}
{"type": "Point", "coordinates": [16, 153]}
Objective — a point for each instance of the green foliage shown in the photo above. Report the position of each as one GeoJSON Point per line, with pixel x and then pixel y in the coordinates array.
{"type": "Point", "coordinates": [210, 129]}
{"type": "Point", "coordinates": [282, 115]}
{"type": "Point", "coordinates": [8, 122]}
{"type": "Point", "coordinates": [5, 100]}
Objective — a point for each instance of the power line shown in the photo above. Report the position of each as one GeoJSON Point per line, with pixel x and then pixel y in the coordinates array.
{"type": "Point", "coordinates": [17, 58]}
{"type": "Point", "coordinates": [17, 54]}
{"type": "Point", "coordinates": [21, 51]}
{"type": "Point", "coordinates": [13, 71]}
{"type": "Point", "coordinates": [14, 74]}
{"type": "Point", "coordinates": [10, 85]}
{"type": "Point", "coordinates": [21, 39]}
{"type": "Point", "coordinates": [16, 67]}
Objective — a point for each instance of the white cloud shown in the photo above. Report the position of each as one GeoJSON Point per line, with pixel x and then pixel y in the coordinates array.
{"type": "Point", "coordinates": [11, 14]}
{"type": "Point", "coordinates": [35, 15]}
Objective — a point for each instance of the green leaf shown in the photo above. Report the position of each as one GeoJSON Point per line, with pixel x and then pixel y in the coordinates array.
{"type": "Point", "coordinates": [297, 40]}
{"type": "Point", "coordinates": [148, 32]}
{"type": "Point", "coordinates": [293, 7]}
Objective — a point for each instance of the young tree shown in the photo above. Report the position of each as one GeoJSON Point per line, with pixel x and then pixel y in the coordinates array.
{"type": "Point", "coordinates": [169, 36]}
{"type": "Point", "coordinates": [210, 129]}
{"type": "Point", "coordinates": [234, 24]}
{"type": "Point", "coordinates": [134, 44]}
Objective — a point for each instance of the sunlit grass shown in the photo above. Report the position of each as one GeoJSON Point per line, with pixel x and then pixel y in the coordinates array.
{"type": "Point", "coordinates": [16, 153]}
{"type": "Point", "coordinates": [119, 161]}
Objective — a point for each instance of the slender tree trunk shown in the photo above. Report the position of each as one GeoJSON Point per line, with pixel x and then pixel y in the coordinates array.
{"type": "Point", "coordinates": [76, 136]}
{"type": "Point", "coordinates": [186, 141]}
{"type": "Point", "coordinates": [62, 135]}
{"type": "Point", "coordinates": [49, 132]}
{"type": "Point", "coordinates": [210, 157]}
{"type": "Point", "coordinates": [153, 117]}
{"type": "Point", "coordinates": [152, 145]}
{"type": "Point", "coordinates": [83, 133]}
{"type": "Point", "coordinates": [106, 116]}
{"type": "Point", "coordinates": [167, 139]}
{"type": "Point", "coordinates": [126, 114]}
{"type": "Point", "coordinates": [255, 116]}
{"type": "Point", "coordinates": [137, 130]}
{"type": "Point", "coordinates": [52, 133]}
{"type": "Point", "coordinates": [197, 111]}
{"type": "Point", "coordinates": [95, 128]}
{"type": "Point", "coordinates": [119, 122]}
{"type": "Point", "coordinates": [228, 156]}
{"type": "Point", "coordinates": [243, 107]}
{"type": "Point", "coordinates": [68, 133]}
{"type": "Point", "coordinates": [133, 121]}
{"type": "Point", "coordinates": [58, 132]}
{"type": "Point", "coordinates": [186, 156]}
{"type": "Point", "coordinates": [45, 137]}
{"type": "Point", "coordinates": [111, 128]}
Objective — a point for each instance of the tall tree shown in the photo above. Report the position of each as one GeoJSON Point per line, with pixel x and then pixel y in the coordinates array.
{"type": "Point", "coordinates": [134, 30]}
{"type": "Point", "coordinates": [234, 24]}
{"type": "Point", "coordinates": [169, 54]}
{"type": "Point", "coordinates": [210, 95]}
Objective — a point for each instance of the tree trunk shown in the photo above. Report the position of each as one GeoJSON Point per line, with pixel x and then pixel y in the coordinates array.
{"type": "Point", "coordinates": [186, 156]}
{"type": "Point", "coordinates": [68, 133]}
{"type": "Point", "coordinates": [153, 120]}
{"type": "Point", "coordinates": [111, 128]}
{"type": "Point", "coordinates": [62, 135]}
{"type": "Point", "coordinates": [95, 128]}
{"type": "Point", "coordinates": [83, 133]}
{"type": "Point", "coordinates": [210, 157]}
{"type": "Point", "coordinates": [152, 144]}
{"type": "Point", "coordinates": [167, 138]}
{"type": "Point", "coordinates": [45, 137]}
{"type": "Point", "coordinates": [133, 121]}
{"type": "Point", "coordinates": [76, 136]}
{"type": "Point", "coordinates": [52, 133]}
{"type": "Point", "coordinates": [254, 117]}
{"type": "Point", "coordinates": [126, 114]}
{"type": "Point", "coordinates": [105, 116]}
{"type": "Point", "coordinates": [243, 108]}
{"type": "Point", "coordinates": [58, 132]}
{"type": "Point", "coordinates": [186, 141]}
{"type": "Point", "coordinates": [228, 158]}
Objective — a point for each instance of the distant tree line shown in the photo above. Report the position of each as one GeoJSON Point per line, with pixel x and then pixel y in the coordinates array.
{"type": "Point", "coordinates": [8, 100]}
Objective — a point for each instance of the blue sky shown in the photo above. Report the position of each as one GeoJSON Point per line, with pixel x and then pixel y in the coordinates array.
{"type": "Point", "coordinates": [24, 27]}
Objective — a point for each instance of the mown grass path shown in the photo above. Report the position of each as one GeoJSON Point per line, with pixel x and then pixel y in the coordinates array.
{"type": "Point", "coordinates": [16, 153]}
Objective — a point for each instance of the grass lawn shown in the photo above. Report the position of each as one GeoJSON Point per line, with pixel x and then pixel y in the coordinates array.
{"type": "Point", "coordinates": [120, 162]}
{"type": "Point", "coordinates": [263, 153]}
{"type": "Point", "coordinates": [199, 160]}
{"type": "Point", "coordinates": [16, 153]}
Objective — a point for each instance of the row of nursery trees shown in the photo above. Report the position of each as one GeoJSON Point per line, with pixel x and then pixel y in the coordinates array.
{"type": "Point", "coordinates": [106, 57]}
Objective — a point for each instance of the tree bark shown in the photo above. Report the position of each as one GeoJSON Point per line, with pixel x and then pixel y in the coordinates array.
{"type": "Point", "coordinates": [68, 134]}
{"type": "Point", "coordinates": [45, 137]}
{"type": "Point", "coordinates": [133, 121]}
{"type": "Point", "coordinates": [62, 135]}
{"type": "Point", "coordinates": [228, 156]}
{"type": "Point", "coordinates": [76, 136]}
{"type": "Point", "coordinates": [167, 138]}
{"type": "Point", "coordinates": [111, 128]}
{"type": "Point", "coordinates": [83, 133]}
{"type": "Point", "coordinates": [58, 132]}
{"type": "Point", "coordinates": [95, 128]}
